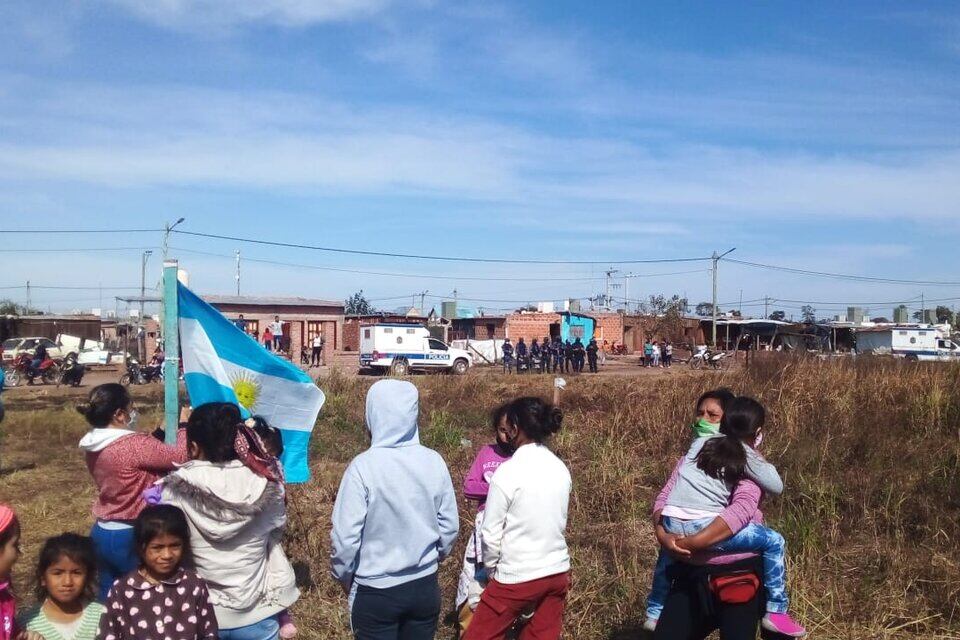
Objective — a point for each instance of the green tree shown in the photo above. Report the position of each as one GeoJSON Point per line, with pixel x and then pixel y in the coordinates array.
{"type": "Point", "coordinates": [944, 315]}
{"type": "Point", "coordinates": [10, 308]}
{"type": "Point", "coordinates": [357, 305]}
{"type": "Point", "coordinates": [704, 309]}
{"type": "Point", "coordinates": [808, 313]}
{"type": "Point", "coordinates": [778, 315]}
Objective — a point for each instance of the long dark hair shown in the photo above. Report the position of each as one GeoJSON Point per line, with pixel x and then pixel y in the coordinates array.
{"type": "Point", "coordinates": [724, 458]}
{"type": "Point", "coordinates": [76, 547]}
{"type": "Point", "coordinates": [535, 417]}
{"type": "Point", "coordinates": [104, 402]}
{"type": "Point", "coordinates": [213, 428]}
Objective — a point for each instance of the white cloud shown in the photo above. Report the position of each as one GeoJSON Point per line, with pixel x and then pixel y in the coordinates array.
{"type": "Point", "coordinates": [197, 14]}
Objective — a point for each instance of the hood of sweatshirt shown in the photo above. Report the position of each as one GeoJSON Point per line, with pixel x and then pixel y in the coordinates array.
{"type": "Point", "coordinates": [100, 438]}
{"type": "Point", "coordinates": [220, 498]}
{"type": "Point", "coordinates": [392, 410]}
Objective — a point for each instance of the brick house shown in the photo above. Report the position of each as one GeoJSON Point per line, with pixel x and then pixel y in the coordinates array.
{"type": "Point", "coordinates": [480, 328]}
{"type": "Point", "coordinates": [302, 318]}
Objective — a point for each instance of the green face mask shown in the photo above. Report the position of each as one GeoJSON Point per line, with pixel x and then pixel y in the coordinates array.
{"type": "Point", "coordinates": [703, 427]}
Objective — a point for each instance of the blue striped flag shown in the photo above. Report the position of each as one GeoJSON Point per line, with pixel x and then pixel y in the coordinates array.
{"type": "Point", "coordinates": [221, 363]}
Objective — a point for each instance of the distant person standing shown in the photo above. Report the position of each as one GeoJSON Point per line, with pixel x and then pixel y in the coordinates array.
{"type": "Point", "coordinates": [267, 339]}
{"type": "Point", "coordinates": [507, 352]}
{"type": "Point", "coordinates": [592, 351]}
{"type": "Point", "coordinates": [567, 356]}
{"type": "Point", "coordinates": [647, 353]}
{"type": "Point", "coordinates": [240, 323]}
{"type": "Point", "coordinates": [316, 357]}
{"type": "Point", "coordinates": [536, 355]}
{"type": "Point", "coordinates": [276, 329]}
{"type": "Point", "coordinates": [521, 350]}
{"type": "Point", "coordinates": [578, 356]}
{"type": "Point", "coordinates": [655, 356]}
{"type": "Point", "coordinates": [667, 354]}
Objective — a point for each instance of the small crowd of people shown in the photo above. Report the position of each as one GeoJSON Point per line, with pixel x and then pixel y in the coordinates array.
{"type": "Point", "coordinates": [657, 354]}
{"type": "Point", "coordinates": [187, 539]}
{"type": "Point", "coordinates": [275, 339]}
{"type": "Point", "coordinates": [550, 356]}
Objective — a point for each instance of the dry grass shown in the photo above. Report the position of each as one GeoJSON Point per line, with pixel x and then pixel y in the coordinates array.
{"type": "Point", "coordinates": [870, 454]}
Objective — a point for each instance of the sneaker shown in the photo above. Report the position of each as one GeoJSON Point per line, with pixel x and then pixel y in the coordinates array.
{"type": "Point", "coordinates": [783, 624]}
{"type": "Point", "coordinates": [650, 624]}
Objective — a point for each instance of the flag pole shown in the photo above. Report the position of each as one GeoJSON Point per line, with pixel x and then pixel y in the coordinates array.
{"type": "Point", "coordinates": [171, 352]}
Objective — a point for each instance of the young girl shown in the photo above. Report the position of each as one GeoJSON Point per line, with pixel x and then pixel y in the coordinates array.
{"type": "Point", "coordinates": [66, 581]}
{"type": "Point", "coordinates": [273, 445]}
{"type": "Point", "coordinates": [9, 553]}
{"type": "Point", "coordinates": [524, 530]}
{"type": "Point", "coordinates": [476, 485]}
{"type": "Point", "coordinates": [161, 598]}
{"type": "Point", "coordinates": [705, 479]}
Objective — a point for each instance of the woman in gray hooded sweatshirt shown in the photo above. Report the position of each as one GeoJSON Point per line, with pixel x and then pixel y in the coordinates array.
{"type": "Point", "coordinates": [394, 521]}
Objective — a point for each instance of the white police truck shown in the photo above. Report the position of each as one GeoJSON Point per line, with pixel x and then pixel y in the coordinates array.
{"type": "Point", "coordinates": [399, 348]}
{"type": "Point", "coordinates": [923, 342]}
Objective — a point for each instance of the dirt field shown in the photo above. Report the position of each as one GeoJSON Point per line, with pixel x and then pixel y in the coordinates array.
{"type": "Point", "coordinates": [869, 454]}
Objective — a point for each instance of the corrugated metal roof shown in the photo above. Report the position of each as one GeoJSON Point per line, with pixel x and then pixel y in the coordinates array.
{"type": "Point", "coordinates": [272, 301]}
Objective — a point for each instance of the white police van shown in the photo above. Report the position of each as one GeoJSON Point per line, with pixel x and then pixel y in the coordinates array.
{"type": "Point", "coordinates": [399, 348]}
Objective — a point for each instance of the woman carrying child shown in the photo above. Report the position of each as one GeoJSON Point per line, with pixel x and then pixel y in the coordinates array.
{"type": "Point", "coordinates": [524, 548]}
{"type": "Point", "coordinates": [232, 494]}
{"type": "Point", "coordinates": [161, 598]}
{"type": "Point", "coordinates": [9, 554]}
{"type": "Point", "coordinates": [703, 485]}
{"type": "Point", "coordinates": [66, 581]}
{"type": "Point", "coordinates": [123, 463]}
{"type": "Point", "coordinates": [476, 486]}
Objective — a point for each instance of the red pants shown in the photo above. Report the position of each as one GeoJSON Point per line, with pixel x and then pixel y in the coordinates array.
{"type": "Point", "coordinates": [501, 604]}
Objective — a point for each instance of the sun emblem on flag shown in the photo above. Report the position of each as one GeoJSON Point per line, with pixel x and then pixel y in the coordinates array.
{"type": "Point", "coordinates": [247, 389]}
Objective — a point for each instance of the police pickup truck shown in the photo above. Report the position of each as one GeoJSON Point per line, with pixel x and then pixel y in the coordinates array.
{"type": "Point", "coordinates": [400, 348]}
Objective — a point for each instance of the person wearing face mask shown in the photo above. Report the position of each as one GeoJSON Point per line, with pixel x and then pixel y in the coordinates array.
{"type": "Point", "coordinates": [476, 486]}
{"type": "Point", "coordinates": [124, 463]}
{"type": "Point", "coordinates": [524, 545]}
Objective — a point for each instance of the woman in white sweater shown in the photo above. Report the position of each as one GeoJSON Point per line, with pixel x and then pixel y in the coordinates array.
{"type": "Point", "coordinates": [524, 548]}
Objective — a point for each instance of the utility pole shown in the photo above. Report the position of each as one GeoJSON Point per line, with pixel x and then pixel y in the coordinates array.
{"type": "Point", "coordinates": [922, 305]}
{"type": "Point", "coordinates": [716, 258]}
{"type": "Point", "coordinates": [423, 294]}
{"type": "Point", "coordinates": [238, 273]}
{"type": "Point", "coordinates": [740, 305]}
{"type": "Point", "coordinates": [27, 310]}
{"type": "Point", "coordinates": [606, 297]}
{"type": "Point", "coordinates": [766, 307]}
{"type": "Point", "coordinates": [141, 344]}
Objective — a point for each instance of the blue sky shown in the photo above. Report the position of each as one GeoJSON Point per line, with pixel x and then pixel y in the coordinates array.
{"type": "Point", "coordinates": [823, 136]}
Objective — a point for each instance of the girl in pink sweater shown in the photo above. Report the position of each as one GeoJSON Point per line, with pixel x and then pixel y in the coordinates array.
{"type": "Point", "coordinates": [476, 485]}
{"type": "Point", "coordinates": [123, 463]}
{"type": "Point", "coordinates": [9, 552]}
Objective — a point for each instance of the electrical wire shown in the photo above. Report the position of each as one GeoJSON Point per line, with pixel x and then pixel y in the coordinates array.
{"type": "Point", "coordinates": [78, 250]}
{"type": "Point", "coordinates": [291, 245]}
{"type": "Point", "coordinates": [843, 276]}
{"type": "Point", "coordinates": [82, 230]}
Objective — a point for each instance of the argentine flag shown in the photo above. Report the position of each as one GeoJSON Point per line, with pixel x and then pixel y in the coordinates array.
{"type": "Point", "coordinates": [221, 363]}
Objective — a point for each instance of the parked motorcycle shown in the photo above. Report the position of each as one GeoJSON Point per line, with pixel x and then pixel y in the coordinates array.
{"type": "Point", "coordinates": [22, 369]}
{"type": "Point", "coordinates": [138, 374]}
{"type": "Point", "coordinates": [708, 358]}
{"type": "Point", "coordinates": [71, 372]}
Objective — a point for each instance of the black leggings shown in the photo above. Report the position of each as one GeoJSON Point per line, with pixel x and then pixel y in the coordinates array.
{"type": "Point", "coordinates": [691, 613]}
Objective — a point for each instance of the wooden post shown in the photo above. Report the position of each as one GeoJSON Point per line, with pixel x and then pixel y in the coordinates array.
{"type": "Point", "coordinates": [171, 352]}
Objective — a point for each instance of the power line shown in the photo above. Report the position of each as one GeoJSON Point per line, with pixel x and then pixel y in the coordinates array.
{"type": "Point", "coordinates": [291, 245]}
{"type": "Point", "coordinates": [427, 275]}
{"type": "Point", "coordinates": [75, 250]}
{"type": "Point", "coordinates": [844, 276]}
{"type": "Point", "coordinates": [71, 231]}
{"type": "Point", "coordinates": [33, 286]}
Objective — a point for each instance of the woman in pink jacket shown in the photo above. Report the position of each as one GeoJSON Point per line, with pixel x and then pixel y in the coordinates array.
{"type": "Point", "coordinates": [123, 463]}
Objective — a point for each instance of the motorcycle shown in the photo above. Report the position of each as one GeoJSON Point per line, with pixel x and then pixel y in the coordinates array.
{"type": "Point", "coordinates": [22, 369]}
{"type": "Point", "coordinates": [709, 358]}
{"type": "Point", "coordinates": [138, 374]}
{"type": "Point", "coordinates": [71, 372]}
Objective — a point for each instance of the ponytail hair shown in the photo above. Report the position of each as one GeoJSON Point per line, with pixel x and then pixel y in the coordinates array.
{"type": "Point", "coordinates": [103, 403]}
{"type": "Point", "coordinates": [535, 417]}
{"type": "Point", "coordinates": [724, 458]}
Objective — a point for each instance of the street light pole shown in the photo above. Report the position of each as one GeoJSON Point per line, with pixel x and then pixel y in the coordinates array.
{"type": "Point", "coordinates": [238, 273]}
{"type": "Point", "coordinates": [141, 346]}
{"type": "Point", "coordinates": [167, 228]}
{"type": "Point", "coordinates": [716, 259]}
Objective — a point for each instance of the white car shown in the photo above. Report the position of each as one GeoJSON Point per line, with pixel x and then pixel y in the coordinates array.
{"type": "Point", "coordinates": [15, 346]}
{"type": "Point", "coordinates": [400, 348]}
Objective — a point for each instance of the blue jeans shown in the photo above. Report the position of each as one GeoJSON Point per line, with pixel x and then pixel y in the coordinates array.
{"type": "Point", "coordinates": [116, 555]}
{"type": "Point", "coordinates": [752, 538]}
{"type": "Point", "coordinates": [266, 629]}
